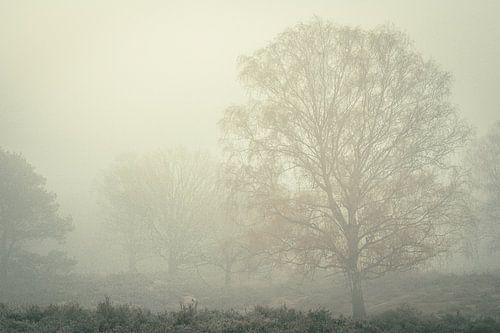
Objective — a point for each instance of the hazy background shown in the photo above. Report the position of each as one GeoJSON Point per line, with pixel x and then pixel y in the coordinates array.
{"type": "Point", "coordinates": [82, 81]}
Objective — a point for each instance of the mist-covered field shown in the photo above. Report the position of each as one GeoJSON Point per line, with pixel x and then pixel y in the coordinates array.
{"type": "Point", "coordinates": [424, 302]}
{"type": "Point", "coordinates": [284, 166]}
{"type": "Point", "coordinates": [472, 295]}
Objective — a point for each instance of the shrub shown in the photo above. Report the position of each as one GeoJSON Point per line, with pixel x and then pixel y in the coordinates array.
{"type": "Point", "coordinates": [109, 317]}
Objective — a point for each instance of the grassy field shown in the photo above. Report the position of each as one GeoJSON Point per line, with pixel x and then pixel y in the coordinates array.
{"type": "Point", "coordinates": [418, 302]}
{"type": "Point", "coordinates": [472, 295]}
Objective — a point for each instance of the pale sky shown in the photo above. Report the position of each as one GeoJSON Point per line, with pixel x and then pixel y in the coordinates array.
{"type": "Point", "coordinates": [82, 81]}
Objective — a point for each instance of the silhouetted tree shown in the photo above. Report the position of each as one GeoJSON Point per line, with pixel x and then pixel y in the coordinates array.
{"type": "Point", "coordinates": [28, 212]}
{"type": "Point", "coordinates": [347, 137]}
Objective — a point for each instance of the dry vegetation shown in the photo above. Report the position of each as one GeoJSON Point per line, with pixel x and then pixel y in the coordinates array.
{"type": "Point", "coordinates": [431, 293]}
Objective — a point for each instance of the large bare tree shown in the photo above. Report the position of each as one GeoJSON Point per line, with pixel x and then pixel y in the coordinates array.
{"type": "Point", "coordinates": [348, 136]}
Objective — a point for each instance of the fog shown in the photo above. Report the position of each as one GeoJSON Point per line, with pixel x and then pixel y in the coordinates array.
{"type": "Point", "coordinates": [84, 82]}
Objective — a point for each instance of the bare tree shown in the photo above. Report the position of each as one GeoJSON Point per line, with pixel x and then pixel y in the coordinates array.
{"type": "Point", "coordinates": [229, 246]}
{"type": "Point", "coordinates": [122, 202]}
{"type": "Point", "coordinates": [162, 203]}
{"type": "Point", "coordinates": [177, 192]}
{"type": "Point", "coordinates": [225, 250]}
{"type": "Point", "coordinates": [347, 137]}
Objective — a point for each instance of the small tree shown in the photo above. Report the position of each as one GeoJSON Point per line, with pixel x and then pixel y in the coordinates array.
{"type": "Point", "coordinates": [28, 212]}
{"type": "Point", "coordinates": [178, 200]}
{"type": "Point", "coordinates": [347, 138]}
{"type": "Point", "coordinates": [227, 247]}
{"type": "Point", "coordinates": [124, 207]}
{"type": "Point", "coordinates": [225, 251]}
{"type": "Point", "coordinates": [161, 202]}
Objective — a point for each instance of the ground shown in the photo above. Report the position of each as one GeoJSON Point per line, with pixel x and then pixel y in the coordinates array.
{"type": "Point", "coordinates": [469, 294]}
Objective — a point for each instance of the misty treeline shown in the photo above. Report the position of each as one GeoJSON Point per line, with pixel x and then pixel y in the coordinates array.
{"type": "Point", "coordinates": [348, 156]}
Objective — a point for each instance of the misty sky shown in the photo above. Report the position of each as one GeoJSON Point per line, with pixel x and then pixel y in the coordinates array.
{"type": "Point", "coordinates": [82, 81]}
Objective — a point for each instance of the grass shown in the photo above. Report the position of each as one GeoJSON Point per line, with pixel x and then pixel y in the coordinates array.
{"type": "Point", "coordinates": [473, 295]}
{"type": "Point", "coordinates": [109, 317]}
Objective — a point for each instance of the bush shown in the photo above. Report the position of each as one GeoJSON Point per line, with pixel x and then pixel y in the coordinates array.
{"type": "Point", "coordinates": [109, 317]}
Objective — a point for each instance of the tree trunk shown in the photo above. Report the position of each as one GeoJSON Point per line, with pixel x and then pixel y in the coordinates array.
{"type": "Point", "coordinates": [353, 273]}
{"type": "Point", "coordinates": [358, 303]}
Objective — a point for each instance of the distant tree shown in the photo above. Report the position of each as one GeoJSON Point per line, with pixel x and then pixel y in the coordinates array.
{"type": "Point", "coordinates": [485, 159]}
{"type": "Point", "coordinates": [161, 202]}
{"type": "Point", "coordinates": [227, 247]}
{"type": "Point", "coordinates": [179, 187]}
{"type": "Point", "coordinates": [175, 193]}
{"type": "Point", "coordinates": [123, 205]}
{"type": "Point", "coordinates": [225, 250]}
{"type": "Point", "coordinates": [347, 138]}
{"type": "Point", "coordinates": [28, 212]}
